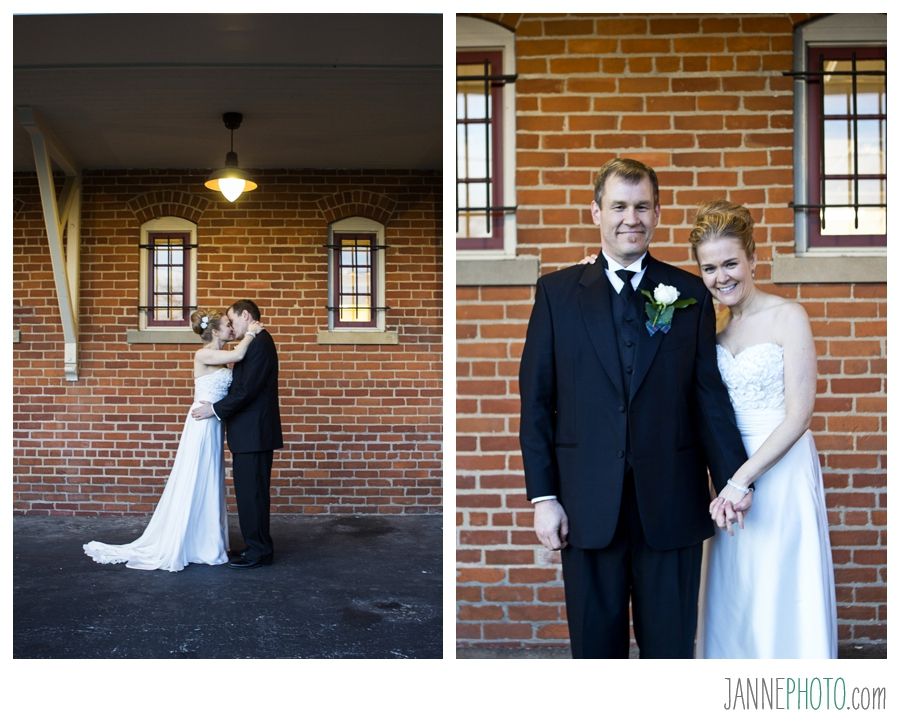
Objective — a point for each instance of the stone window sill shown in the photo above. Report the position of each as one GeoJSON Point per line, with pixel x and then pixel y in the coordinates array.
{"type": "Point", "coordinates": [522, 271]}
{"type": "Point", "coordinates": [162, 336]}
{"type": "Point", "coordinates": [829, 269]}
{"type": "Point", "coordinates": [326, 336]}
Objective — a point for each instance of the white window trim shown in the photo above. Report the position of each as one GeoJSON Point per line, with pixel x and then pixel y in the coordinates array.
{"type": "Point", "coordinates": [358, 335]}
{"type": "Point", "coordinates": [477, 34]}
{"type": "Point", "coordinates": [146, 334]}
{"type": "Point", "coordinates": [862, 264]}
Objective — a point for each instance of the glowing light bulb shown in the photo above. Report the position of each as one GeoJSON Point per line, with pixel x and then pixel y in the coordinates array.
{"type": "Point", "coordinates": [231, 188]}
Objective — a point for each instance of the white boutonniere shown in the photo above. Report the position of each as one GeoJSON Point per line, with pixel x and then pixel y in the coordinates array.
{"type": "Point", "coordinates": [661, 307]}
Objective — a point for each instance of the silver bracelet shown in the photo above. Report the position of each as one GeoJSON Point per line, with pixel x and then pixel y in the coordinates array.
{"type": "Point", "coordinates": [737, 487]}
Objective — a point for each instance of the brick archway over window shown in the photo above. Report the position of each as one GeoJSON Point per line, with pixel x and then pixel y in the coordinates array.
{"type": "Point", "coordinates": [368, 204]}
{"type": "Point", "coordinates": [155, 204]}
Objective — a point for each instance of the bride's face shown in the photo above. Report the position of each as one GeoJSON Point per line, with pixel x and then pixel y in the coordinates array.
{"type": "Point", "coordinates": [726, 270]}
{"type": "Point", "coordinates": [226, 331]}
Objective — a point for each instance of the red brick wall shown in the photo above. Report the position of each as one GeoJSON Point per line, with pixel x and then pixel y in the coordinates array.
{"type": "Point", "coordinates": [703, 100]}
{"type": "Point", "coordinates": [362, 424]}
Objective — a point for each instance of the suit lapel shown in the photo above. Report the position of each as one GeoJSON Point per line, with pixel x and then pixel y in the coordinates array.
{"type": "Point", "coordinates": [647, 346]}
{"type": "Point", "coordinates": [596, 313]}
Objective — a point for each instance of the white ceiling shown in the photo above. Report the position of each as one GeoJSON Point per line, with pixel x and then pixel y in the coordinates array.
{"type": "Point", "coordinates": [316, 91]}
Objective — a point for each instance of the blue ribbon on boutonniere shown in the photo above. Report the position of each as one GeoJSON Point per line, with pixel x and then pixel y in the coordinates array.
{"type": "Point", "coordinates": [661, 307]}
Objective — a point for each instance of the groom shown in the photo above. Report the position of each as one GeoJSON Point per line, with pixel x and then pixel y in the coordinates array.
{"type": "Point", "coordinates": [253, 424]}
{"type": "Point", "coordinates": [618, 429]}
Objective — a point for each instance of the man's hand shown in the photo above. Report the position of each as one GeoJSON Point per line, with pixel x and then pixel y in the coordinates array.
{"type": "Point", "coordinates": [551, 525]}
{"type": "Point", "coordinates": [202, 411]}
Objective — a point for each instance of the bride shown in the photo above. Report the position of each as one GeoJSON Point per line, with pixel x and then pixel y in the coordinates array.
{"type": "Point", "coordinates": [769, 582]}
{"type": "Point", "coordinates": [190, 524]}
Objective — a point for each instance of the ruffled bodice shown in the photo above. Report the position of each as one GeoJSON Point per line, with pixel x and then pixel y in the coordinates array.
{"type": "Point", "coordinates": [754, 377]}
{"type": "Point", "coordinates": [212, 387]}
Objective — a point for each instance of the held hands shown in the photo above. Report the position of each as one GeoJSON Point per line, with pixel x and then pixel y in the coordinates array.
{"type": "Point", "coordinates": [551, 524]}
{"type": "Point", "coordinates": [730, 506]}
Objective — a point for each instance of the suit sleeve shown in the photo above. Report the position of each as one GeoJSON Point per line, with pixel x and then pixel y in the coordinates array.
{"type": "Point", "coordinates": [259, 366]}
{"type": "Point", "coordinates": [537, 390]}
{"type": "Point", "coordinates": [721, 439]}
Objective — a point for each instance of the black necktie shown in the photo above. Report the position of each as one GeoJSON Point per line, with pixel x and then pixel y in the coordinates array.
{"type": "Point", "coordinates": [627, 291]}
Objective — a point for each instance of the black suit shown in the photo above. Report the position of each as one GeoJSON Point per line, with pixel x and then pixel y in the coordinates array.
{"type": "Point", "coordinates": [626, 451]}
{"type": "Point", "coordinates": [253, 425]}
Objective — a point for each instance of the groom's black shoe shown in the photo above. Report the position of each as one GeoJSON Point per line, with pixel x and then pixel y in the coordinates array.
{"type": "Point", "coordinates": [244, 562]}
{"type": "Point", "coordinates": [237, 555]}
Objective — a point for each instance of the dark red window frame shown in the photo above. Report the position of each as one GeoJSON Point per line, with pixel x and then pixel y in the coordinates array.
{"type": "Point", "coordinates": [152, 294]}
{"type": "Point", "coordinates": [373, 278]}
{"type": "Point", "coordinates": [815, 161]}
{"type": "Point", "coordinates": [492, 60]}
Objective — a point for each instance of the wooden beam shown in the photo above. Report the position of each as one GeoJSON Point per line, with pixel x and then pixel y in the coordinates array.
{"type": "Point", "coordinates": [73, 248]}
{"type": "Point", "coordinates": [65, 265]}
{"type": "Point", "coordinates": [66, 198]}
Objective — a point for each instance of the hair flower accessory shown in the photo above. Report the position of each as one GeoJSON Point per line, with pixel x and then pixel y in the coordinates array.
{"type": "Point", "coordinates": [661, 307]}
{"type": "Point", "coordinates": [204, 322]}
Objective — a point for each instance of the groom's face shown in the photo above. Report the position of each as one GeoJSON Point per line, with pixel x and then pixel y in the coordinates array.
{"type": "Point", "coordinates": [627, 217]}
{"type": "Point", "coordinates": [239, 323]}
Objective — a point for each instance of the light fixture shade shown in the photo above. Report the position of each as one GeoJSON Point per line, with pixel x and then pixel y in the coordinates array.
{"type": "Point", "coordinates": [230, 181]}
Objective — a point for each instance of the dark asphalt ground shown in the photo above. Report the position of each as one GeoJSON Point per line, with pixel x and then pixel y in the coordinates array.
{"type": "Point", "coordinates": [340, 587]}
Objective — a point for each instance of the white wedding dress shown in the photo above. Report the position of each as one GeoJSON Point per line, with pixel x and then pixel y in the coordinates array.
{"type": "Point", "coordinates": [770, 588]}
{"type": "Point", "coordinates": [190, 524]}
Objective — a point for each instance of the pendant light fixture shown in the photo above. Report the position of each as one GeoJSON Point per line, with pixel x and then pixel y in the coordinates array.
{"type": "Point", "coordinates": [231, 181]}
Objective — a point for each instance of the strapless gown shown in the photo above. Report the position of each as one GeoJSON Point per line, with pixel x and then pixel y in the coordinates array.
{"type": "Point", "coordinates": [190, 524]}
{"type": "Point", "coordinates": [769, 589]}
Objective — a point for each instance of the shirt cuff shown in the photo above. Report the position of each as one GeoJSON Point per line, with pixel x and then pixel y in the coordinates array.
{"type": "Point", "coordinates": [543, 497]}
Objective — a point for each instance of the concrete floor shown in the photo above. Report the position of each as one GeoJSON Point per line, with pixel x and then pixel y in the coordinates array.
{"type": "Point", "coordinates": [340, 587]}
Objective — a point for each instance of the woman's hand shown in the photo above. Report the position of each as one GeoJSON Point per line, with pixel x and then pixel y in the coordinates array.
{"type": "Point", "coordinates": [255, 328]}
{"type": "Point", "coordinates": [729, 507]}
{"type": "Point", "coordinates": [589, 259]}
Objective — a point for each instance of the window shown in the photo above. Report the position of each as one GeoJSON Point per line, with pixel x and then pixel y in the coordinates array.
{"type": "Point", "coordinates": [356, 275]}
{"type": "Point", "coordinates": [479, 178]}
{"type": "Point", "coordinates": [168, 267]}
{"type": "Point", "coordinates": [354, 288]}
{"type": "Point", "coordinates": [848, 143]}
{"type": "Point", "coordinates": [168, 254]}
{"type": "Point", "coordinates": [840, 143]}
{"type": "Point", "coordinates": [485, 140]}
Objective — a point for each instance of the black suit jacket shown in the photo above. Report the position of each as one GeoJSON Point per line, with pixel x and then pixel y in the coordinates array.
{"type": "Point", "coordinates": [575, 413]}
{"type": "Point", "coordinates": [250, 409]}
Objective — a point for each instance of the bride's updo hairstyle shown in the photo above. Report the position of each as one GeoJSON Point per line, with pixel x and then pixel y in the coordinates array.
{"type": "Point", "coordinates": [723, 218]}
{"type": "Point", "coordinates": [204, 321]}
